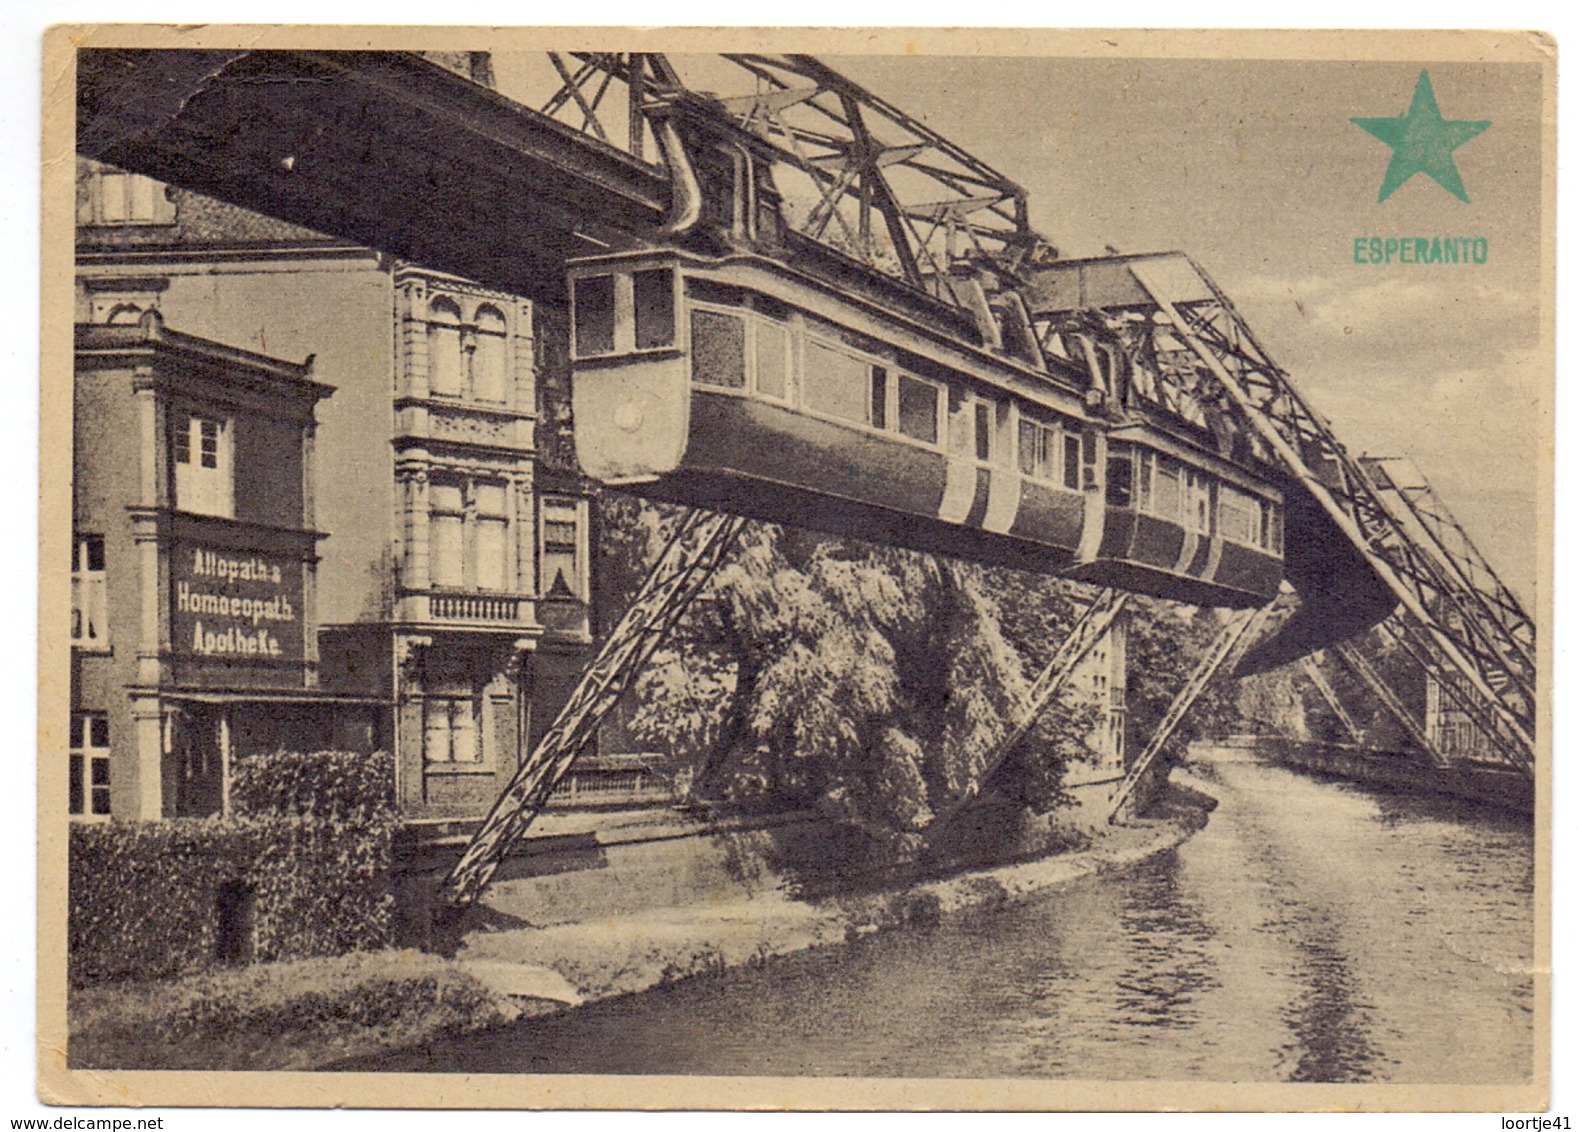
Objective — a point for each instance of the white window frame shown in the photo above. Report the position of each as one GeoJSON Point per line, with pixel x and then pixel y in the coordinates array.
{"type": "Point", "coordinates": [90, 615]}
{"type": "Point", "coordinates": [200, 490]}
{"type": "Point", "coordinates": [472, 704]}
{"type": "Point", "coordinates": [555, 508]}
{"type": "Point", "coordinates": [86, 756]}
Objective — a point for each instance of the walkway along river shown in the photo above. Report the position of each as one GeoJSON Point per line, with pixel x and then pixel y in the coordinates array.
{"type": "Point", "coordinates": [1314, 931]}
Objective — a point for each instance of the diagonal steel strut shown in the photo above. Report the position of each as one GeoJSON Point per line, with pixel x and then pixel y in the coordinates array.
{"type": "Point", "coordinates": [1316, 676]}
{"type": "Point", "coordinates": [1230, 643]}
{"type": "Point", "coordinates": [687, 563]}
{"type": "Point", "coordinates": [1089, 629]}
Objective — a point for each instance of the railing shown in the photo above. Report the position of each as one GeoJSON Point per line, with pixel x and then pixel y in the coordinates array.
{"type": "Point", "coordinates": [474, 607]}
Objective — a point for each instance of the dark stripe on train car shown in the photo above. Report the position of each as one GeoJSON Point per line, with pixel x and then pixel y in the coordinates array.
{"type": "Point", "coordinates": [1050, 515]}
{"type": "Point", "coordinates": [1157, 542]}
{"type": "Point", "coordinates": [1119, 525]}
{"type": "Point", "coordinates": [1199, 563]}
{"type": "Point", "coordinates": [1160, 583]}
{"type": "Point", "coordinates": [980, 500]}
{"type": "Point", "coordinates": [1246, 568]}
{"type": "Point", "coordinates": [775, 444]}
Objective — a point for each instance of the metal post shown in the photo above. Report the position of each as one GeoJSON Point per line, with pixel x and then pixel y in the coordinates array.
{"type": "Point", "coordinates": [690, 559]}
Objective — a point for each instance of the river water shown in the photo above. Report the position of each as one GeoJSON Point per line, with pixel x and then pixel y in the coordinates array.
{"type": "Point", "coordinates": [1314, 931]}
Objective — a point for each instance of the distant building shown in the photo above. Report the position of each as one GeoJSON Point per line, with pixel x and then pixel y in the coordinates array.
{"type": "Point", "coordinates": [1101, 678]}
{"type": "Point", "coordinates": [436, 562]}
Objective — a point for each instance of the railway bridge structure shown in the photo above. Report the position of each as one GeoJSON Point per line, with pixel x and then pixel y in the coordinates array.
{"type": "Point", "coordinates": [792, 300]}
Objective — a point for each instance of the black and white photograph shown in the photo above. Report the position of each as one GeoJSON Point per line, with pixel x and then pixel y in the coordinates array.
{"type": "Point", "coordinates": [714, 569]}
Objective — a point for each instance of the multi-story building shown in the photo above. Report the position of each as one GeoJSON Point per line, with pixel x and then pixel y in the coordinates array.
{"type": "Point", "coordinates": [194, 557]}
{"type": "Point", "coordinates": [442, 548]}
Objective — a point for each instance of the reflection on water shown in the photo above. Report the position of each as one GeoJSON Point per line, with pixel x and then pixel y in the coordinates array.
{"type": "Point", "coordinates": [1312, 932]}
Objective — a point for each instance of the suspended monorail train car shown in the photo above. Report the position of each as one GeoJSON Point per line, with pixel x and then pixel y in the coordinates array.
{"type": "Point", "coordinates": [740, 383]}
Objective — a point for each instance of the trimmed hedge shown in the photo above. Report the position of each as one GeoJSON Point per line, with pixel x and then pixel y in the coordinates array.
{"type": "Point", "coordinates": [301, 868]}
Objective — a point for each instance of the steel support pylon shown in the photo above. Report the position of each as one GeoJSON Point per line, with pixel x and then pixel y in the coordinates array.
{"type": "Point", "coordinates": [1229, 645]}
{"type": "Point", "coordinates": [1445, 616]}
{"type": "Point", "coordinates": [1316, 676]}
{"type": "Point", "coordinates": [687, 563]}
{"type": "Point", "coordinates": [1089, 629]}
{"type": "Point", "coordinates": [1353, 659]}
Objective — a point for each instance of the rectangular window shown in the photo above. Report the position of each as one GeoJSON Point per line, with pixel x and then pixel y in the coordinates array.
{"type": "Point", "coordinates": [593, 302]}
{"type": "Point", "coordinates": [917, 408]}
{"type": "Point", "coordinates": [836, 383]}
{"type": "Point", "coordinates": [770, 351]}
{"type": "Point", "coordinates": [451, 733]}
{"type": "Point", "coordinates": [491, 542]}
{"type": "Point", "coordinates": [1118, 480]}
{"type": "Point", "coordinates": [560, 549]}
{"type": "Point", "coordinates": [90, 623]}
{"type": "Point", "coordinates": [1166, 501]}
{"type": "Point", "coordinates": [719, 349]}
{"type": "Point", "coordinates": [127, 198]}
{"type": "Point", "coordinates": [1090, 459]}
{"type": "Point", "coordinates": [1073, 468]}
{"type": "Point", "coordinates": [878, 396]}
{"type": "Point", "coordinates": [89, 788]}
{"type": "Point", "coordinates": [982, 437]}
{"type": "Point", "coordinates": [1236, 515]}
{"type": "Point", "coordinates": [654, 302]}
{"type": "Point", "coordinates": [1038, 443]}
{"type": "Point", "coordinates": [201, 452]}
{"type": "Point", "coordinates": [1145, 481]}
{"type": "Point", "coordinates": [445, 521]}
{"type": "Point", "coordinates": [1199, 510]}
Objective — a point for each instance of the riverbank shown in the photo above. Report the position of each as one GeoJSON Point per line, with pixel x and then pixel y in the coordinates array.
{"type": "Point", "coordinates": [317, 1012]}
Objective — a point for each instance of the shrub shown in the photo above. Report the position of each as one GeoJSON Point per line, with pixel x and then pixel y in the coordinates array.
{"type": "Point", "coordinates": [301, 869]}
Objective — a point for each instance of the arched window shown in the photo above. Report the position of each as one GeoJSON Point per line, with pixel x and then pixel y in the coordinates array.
{"type": "Point", "coordinates": [444, 348]}
{"type": "Point", "coordinates": [125, 314]}
{"type": "Point", "coordinates": [489, 356]}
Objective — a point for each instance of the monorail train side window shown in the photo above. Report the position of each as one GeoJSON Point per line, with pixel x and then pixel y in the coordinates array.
{"type": "Point", "coordinates": [1118, 479]}
{"type": "Point", "coordinates": [835, 383]}
{"type": "Point", "coordinates": [654, 308]}
{"type": "Point", "coordinates": [1201, 516]}
{"type": "Point", "coordinates": [1090, 459]}
{"type": "Point", "coordinates": [1145, 480]}
{"type": "Point", "coordinates": [1073, 468]}
{"type": "Point", "coordinates": [1236, 515]}
{"type": "Point", "coordinates": [982, 431]}
{"type": "Point", "coordinates": [1036, 448]}
{"type": "Point", "coordinates": [878, 396]}
{"type": "Point", "coordinates": [770, 353]}
{"type": "Point", "coordinates": [1166, 496]}
{"type": "Point", "coordinates": [719, 349]}
{"type": "Point", "coordinates": [593, 303]}
{"type": "Point", "coordinates": [917, 408]}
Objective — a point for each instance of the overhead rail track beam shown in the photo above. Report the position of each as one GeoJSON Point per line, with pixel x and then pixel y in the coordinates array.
{"type": "Point", "coordinates": [688, 561]}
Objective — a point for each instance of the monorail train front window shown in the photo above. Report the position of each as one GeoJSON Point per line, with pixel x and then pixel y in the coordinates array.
{"type": "Point", "coordinates": [1118, 480]}
{"type": "Point", "coordinates": [593, 300]}
{"type": "Point", "coordinates": [654, 308]}
{"type": "Point", "coordinates": [719, 349]}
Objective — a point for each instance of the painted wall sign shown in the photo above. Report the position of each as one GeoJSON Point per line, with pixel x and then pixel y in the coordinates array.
{"type": "Point", "coordinates": [235, 605]}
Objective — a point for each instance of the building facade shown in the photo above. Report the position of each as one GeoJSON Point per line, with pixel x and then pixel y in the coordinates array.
{"type": "Point", "coordinates": [194, 561]}
{"type": "Point", "coordinates": [443, 532]}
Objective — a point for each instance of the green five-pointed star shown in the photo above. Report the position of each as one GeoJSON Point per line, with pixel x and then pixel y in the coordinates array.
{"type": "Point", "coordinates": [1423, 142]}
